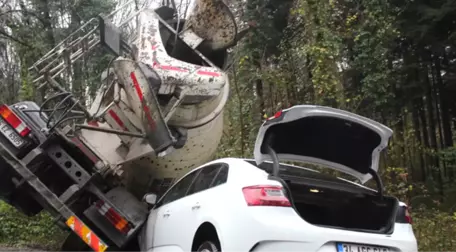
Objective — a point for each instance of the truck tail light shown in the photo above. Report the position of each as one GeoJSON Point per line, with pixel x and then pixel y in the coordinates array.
{"type": "Point", "coordinates": [14, 121]}
{"type": "Point", "coordinates": [114, 217]}
{"type": "Point", "coordinates": [265, 195]}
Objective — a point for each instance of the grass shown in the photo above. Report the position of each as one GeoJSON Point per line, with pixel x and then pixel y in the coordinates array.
{"type": "Point", "coordinates": [18, 230]}
{"type": "Point", "coordinates": [434, 230]}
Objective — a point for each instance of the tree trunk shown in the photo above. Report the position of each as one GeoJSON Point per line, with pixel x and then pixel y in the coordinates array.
{"type": "Point", "coordinates": [432, 131]}
{"type": "Point", "coordinates": [447, 140]}
{"type": "Point", "coordinates": [77, 82]}
{"type": "Point", "coordinates": [441, 168]}
{"type": "Point", "coordinates": [417, 129]}
{"type": "Point", "coordinates": [446, 121]}
{"type": "Point", "coordinates": [240, 108]}
{"type": "Point", "coordinates": [408, 152]}
{"type": "Point", "coordinates": [43, 9]}
{"type": "Point", "coordinates": [424, 131]}
{"type": "Point", "coordinates": [259, 91]}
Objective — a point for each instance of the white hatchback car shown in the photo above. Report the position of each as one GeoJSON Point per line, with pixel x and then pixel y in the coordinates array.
{"type": "Point", "coordinates": [257, 205]}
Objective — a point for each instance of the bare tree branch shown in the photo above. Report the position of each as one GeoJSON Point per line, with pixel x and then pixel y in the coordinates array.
{"type": "Point", "coordinates": [23, 12]}
{"type": "Point", "coordinates": [15, 39]}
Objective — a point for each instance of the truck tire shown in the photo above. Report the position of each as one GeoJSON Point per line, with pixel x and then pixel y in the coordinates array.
{"type": "Point", "coordinates": [74, 243]}
{"type": "Point", "coordinates": [209, 246]}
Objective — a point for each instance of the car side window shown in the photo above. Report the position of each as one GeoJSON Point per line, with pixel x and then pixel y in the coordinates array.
{"type": "Point", "coordinates": [179, 190]}
{"type": "Point", "coordinates": [205, 178]}
{"type": "Point", "coordinates": [221, 177]}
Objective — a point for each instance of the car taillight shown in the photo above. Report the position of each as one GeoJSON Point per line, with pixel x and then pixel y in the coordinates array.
{"type": "Point", "coordinates": [14, 121]}
{"type": "Point", "coordinates": [408, 217]}
{"type": "Point", "coordinates": [113, 216]}
{"type": "Point", "coordinates": [265, 195]}
{"type": "Point", "coordinates": [276, 115]}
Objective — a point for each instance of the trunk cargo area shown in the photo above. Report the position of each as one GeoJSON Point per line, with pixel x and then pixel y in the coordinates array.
{"type": "Point", "coordinates": [342, 206]}
{"type": "Point", "coordinates": [325, 200]}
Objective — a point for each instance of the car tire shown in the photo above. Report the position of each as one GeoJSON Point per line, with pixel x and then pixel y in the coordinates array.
{"type": "Point", "coordinates": [209, 246]}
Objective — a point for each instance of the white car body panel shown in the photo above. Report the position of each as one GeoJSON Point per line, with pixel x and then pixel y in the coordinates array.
{"type": "Point", "coordinates": [240, 228]}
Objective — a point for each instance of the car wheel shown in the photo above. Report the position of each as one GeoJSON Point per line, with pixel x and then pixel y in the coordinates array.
{"type": "Point", "coordinates": [208, 246]}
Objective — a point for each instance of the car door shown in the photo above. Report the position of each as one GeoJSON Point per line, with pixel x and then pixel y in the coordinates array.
{"type": "Point", "coordinates": [195, 206]}
{"type": "Point", "coordinates": [162, 222]}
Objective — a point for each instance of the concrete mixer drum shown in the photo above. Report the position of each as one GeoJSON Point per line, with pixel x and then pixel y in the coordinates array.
{"type": "Point", "coordinates": [159, 112]}
{"type": "Point", "coordinates": [213, 22]}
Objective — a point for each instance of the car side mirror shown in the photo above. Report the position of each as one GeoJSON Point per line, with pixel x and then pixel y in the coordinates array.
{"type": "Point", "coordinates": [150, 198]}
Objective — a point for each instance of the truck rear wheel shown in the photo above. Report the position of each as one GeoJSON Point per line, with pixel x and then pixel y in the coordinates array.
{"type": "Point", "coordinates": [74, 243]}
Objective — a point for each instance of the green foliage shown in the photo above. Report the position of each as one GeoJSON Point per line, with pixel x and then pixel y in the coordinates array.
{"type": "Point", "coordinates": [27, 91]}
{"type": "Point", "coordinates": [434, 230]}
{"type": "Point", "coordinates": [19, 230]}
{"type": "Point", "coordinates": [322, 48]}
{"type": "Point", "coordinates": [377, 58]}
{"type": "Point", "coordinates": [448, 154]}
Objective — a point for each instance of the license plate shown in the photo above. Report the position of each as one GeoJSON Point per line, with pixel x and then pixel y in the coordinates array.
{"type": "Point", "coordinates": [11, 134]}
{"type": "Point", "coordinates": [345, 247]}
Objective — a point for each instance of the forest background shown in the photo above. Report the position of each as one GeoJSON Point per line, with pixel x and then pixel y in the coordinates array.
{"type": "Point", "coordinates": [391, 61]}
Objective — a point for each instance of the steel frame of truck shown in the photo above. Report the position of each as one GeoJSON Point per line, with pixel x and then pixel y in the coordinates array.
{"type": "Point", "coordinates": [117, 215]}
{"type": "Point", "coordinates": [121, 213]}
{"type": "Point", "coordinates": [114, 219]}
{"type": "Point", "coordinates": [87, 198]}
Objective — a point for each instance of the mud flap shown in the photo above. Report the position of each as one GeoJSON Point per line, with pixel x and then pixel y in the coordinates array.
{"type": "Point", "coordinates": [144, 103]}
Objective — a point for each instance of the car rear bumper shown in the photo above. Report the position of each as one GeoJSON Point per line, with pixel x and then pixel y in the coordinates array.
{"type": "Point", "coordinates": [281, 229]}
{"type": "Point", "coordinates": [271, 246]}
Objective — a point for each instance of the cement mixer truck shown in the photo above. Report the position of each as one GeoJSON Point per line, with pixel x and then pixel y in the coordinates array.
{"type": "Point", "coordinates": [157, 114]}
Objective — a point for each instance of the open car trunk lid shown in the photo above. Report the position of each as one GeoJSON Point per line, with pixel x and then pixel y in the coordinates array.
{"type": "Point", "coordinates": [331, 202]}
{"type": "Point", "coordinates": [325, 136]}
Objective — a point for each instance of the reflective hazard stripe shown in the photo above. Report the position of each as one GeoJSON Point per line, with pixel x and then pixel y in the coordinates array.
{"type": "Point", "coordinates": [141, 99]}
{"type": "Point", "coordinates": [172, 68]}
{"type": "Point", "coordinates": [87, 235]}
{"type": "Point", "coordinates": [116, 118]}
{"type": "Point", "coordinates": [213, 74]}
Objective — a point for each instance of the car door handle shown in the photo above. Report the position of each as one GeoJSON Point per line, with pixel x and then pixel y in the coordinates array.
{"type": "Point", "coordinates": [196, 206]}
